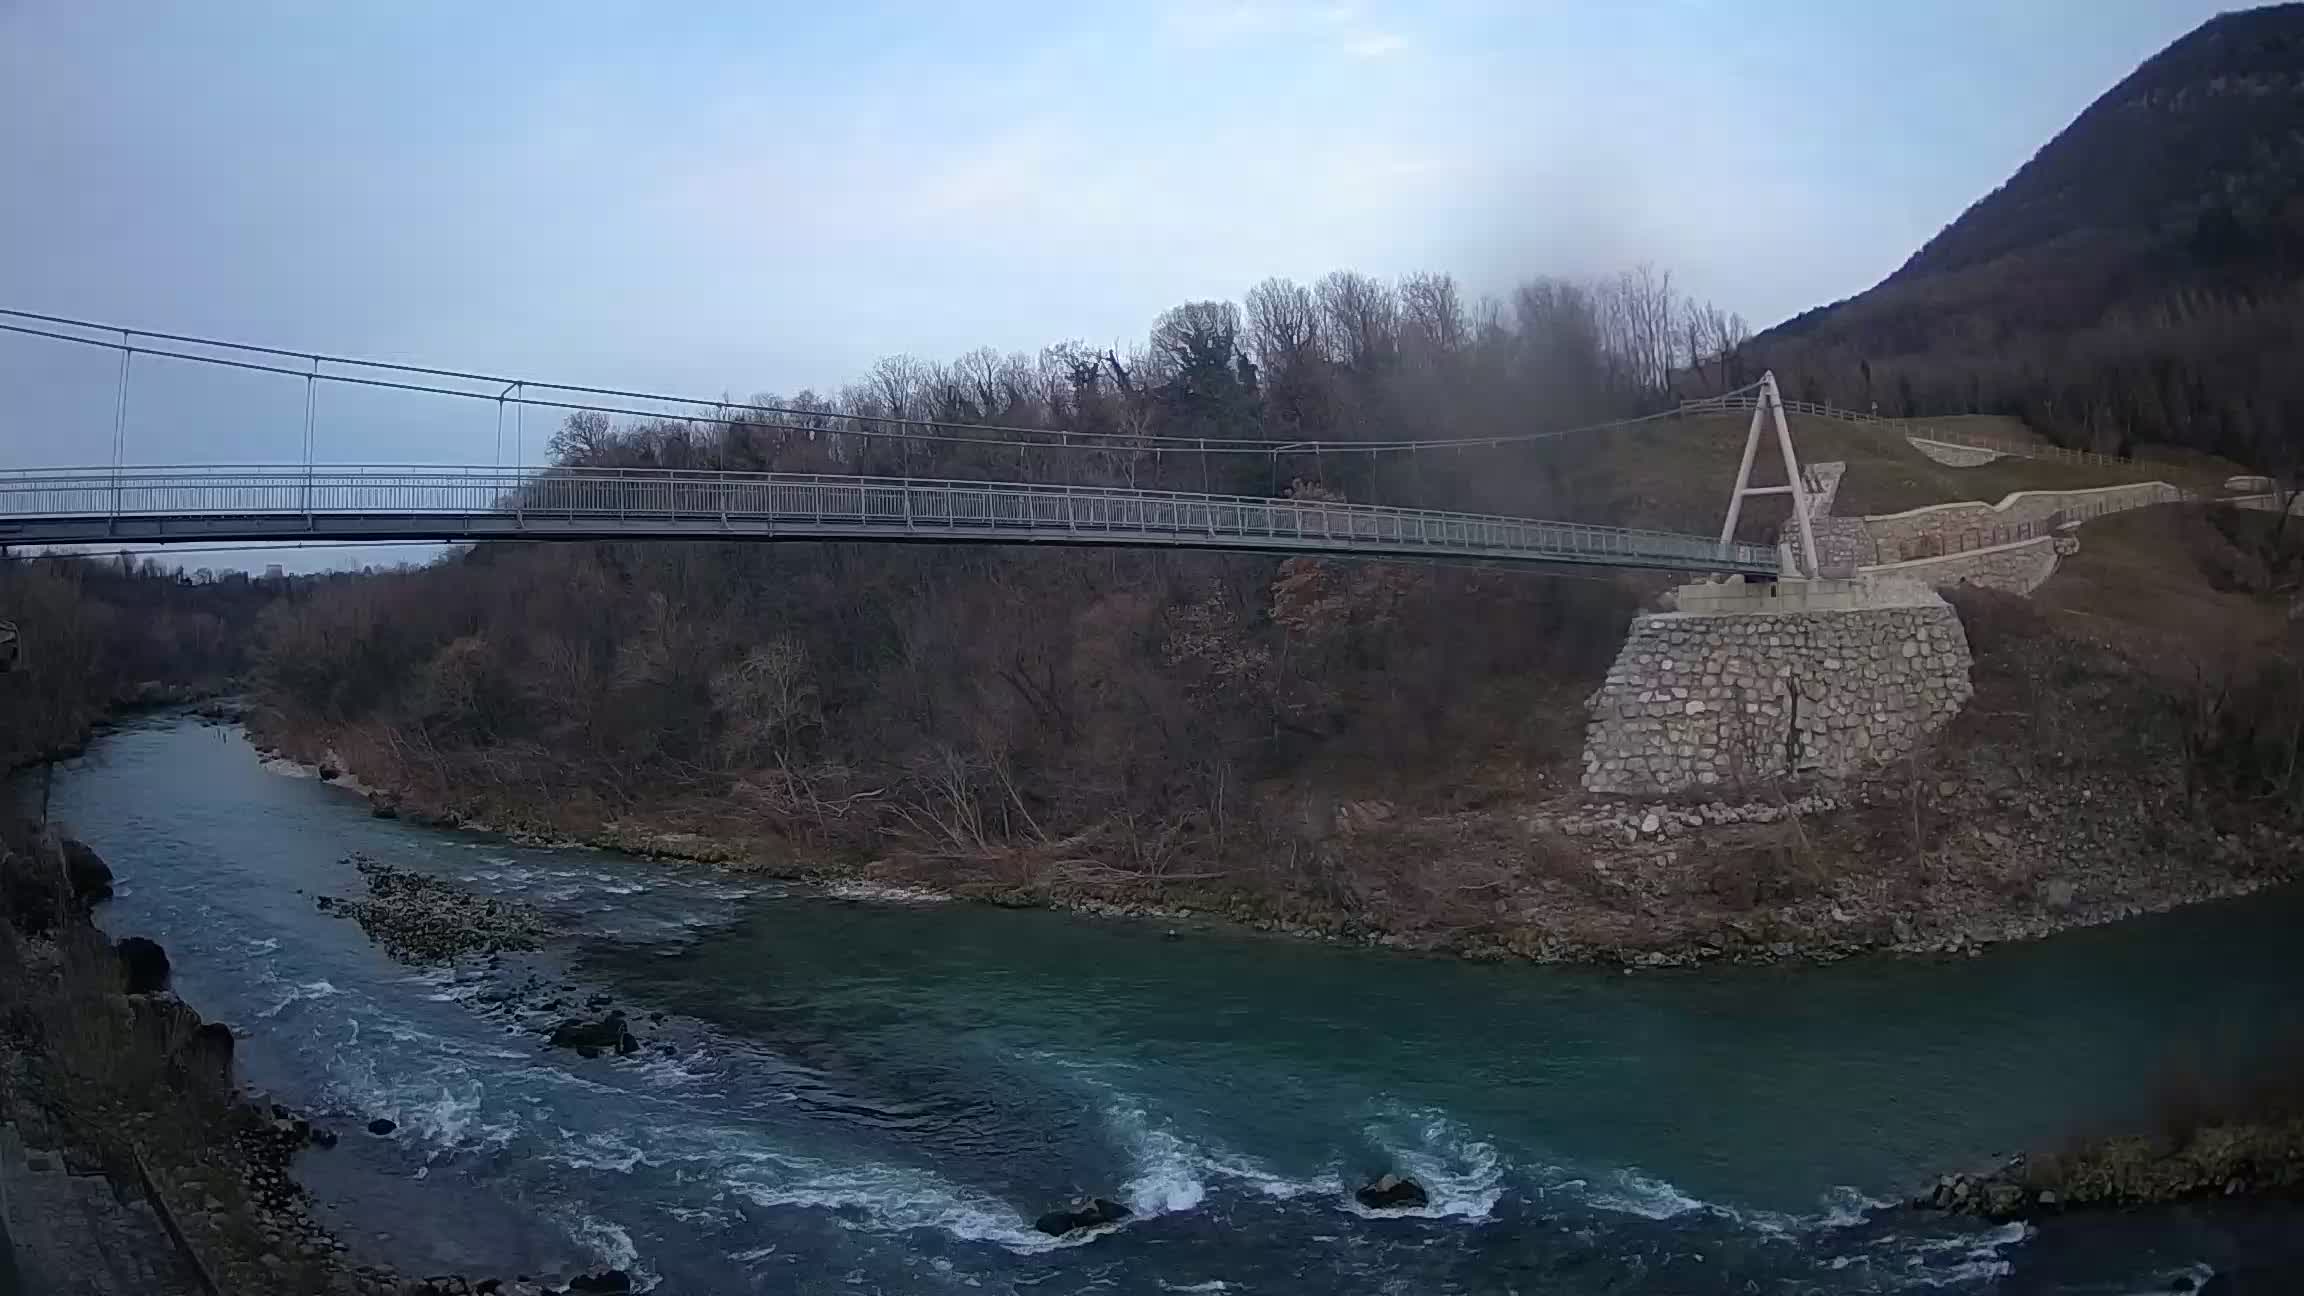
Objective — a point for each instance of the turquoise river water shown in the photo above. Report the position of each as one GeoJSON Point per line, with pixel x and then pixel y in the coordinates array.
{"type": "Point", "coordinates": [847, 1096]}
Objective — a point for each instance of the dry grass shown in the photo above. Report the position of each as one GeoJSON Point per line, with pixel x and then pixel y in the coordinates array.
{"type": "Point", "coordinates": [2165, 587]}
{"type": "Point", "coordinates": [1675, 473]}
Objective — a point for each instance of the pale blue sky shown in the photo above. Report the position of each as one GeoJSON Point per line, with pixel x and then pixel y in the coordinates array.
{"type": "Point", "coordinates": [750, 197]}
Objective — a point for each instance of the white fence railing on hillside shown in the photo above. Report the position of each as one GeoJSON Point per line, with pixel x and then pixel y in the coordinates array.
{"type": "Point", "coordinates": [1907, 427]}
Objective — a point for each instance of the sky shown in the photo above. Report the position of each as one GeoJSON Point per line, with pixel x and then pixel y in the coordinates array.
{"type": "Point", "coordinates": [744, 197]}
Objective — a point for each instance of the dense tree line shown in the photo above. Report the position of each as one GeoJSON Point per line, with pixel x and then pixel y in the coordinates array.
{"type": "Point", "coordinates": [1027, 717]}
{"type": "Point", "coordinates": [1345, 361]}
{"type": "Point", "coordinates": [95, 633]}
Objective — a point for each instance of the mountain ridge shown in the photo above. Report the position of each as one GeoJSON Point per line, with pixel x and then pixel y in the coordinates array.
{"type": "Point", "coordinates": [2133, 282]}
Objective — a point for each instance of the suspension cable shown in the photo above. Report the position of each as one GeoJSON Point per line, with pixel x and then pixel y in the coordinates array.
{"type": "Point", "coordinates": [869, 426]}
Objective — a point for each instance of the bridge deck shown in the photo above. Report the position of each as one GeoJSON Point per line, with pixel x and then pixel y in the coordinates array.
{"type": "Point", "coordinates": [147, 505]}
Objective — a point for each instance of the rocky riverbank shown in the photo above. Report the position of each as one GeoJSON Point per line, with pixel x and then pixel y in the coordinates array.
{"type": "Point", "coordinates": [106, 1069]}
{"type": "Point", "coordinates": [2230, 1159]}
{"type": "Point", "coordinates": [2061, 797]}
{"type": "Point", "coordinates": [1942, 861]}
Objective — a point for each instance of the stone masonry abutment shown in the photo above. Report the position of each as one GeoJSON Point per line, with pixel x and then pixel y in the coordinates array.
{"type": "Point", "coordinates": [1753, 682]}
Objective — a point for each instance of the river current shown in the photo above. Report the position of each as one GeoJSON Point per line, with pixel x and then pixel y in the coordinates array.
{"type": "Point", "coordinates": [848, 1095]}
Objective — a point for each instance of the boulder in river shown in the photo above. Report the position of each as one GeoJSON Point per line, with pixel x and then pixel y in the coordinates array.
{"type": "Point", "coordinates": [607, 1280]}
{"type": "Point", "coordinates": [90, 876]}
{"type": "Point", "coordinates": [1392, 1192]}
{"type": "Point", "coordinates": [606, 1034]}
{"type": "Point", "coordinates": [1093, 1213]}
{"type": "Point", "coordinates": [381, 1127]}
{"type": "Point", "coordinates": [144, 964]}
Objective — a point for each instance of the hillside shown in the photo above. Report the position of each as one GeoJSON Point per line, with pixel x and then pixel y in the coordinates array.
{"type": "Point", "coordinates": [2136, 282]}
{"type": "Point", "coordinates": [1675, 474]}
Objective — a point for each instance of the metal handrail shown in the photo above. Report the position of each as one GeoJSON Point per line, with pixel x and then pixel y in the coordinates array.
{"type": "Point", "coordinates": [641, 499]}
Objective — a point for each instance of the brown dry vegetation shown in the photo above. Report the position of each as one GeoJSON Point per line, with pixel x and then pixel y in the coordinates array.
{"type": "Point", "coordinates": [94, 632]}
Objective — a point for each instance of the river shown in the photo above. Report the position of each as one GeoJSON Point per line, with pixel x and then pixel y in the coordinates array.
{"type": "Point", "coordinates": [876, 1096]}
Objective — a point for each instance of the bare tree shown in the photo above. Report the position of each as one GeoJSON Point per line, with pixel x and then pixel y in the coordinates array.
{"type": "Point", "coordinates": [1360, 321]}
{"type": "Point", "coordinates": [1283, 326]}
{"type": "Point", "coordinates": [1432, 320]}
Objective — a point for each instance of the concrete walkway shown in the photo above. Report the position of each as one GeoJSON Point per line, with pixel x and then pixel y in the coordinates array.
{"type": "Point", "coordinates": [75, 1236]}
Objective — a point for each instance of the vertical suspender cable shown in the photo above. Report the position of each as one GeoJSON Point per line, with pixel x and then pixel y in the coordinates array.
{"type": "Point", "coordinates": [311, 396]}
{"type": "Point", "coordinates": [120, 426]}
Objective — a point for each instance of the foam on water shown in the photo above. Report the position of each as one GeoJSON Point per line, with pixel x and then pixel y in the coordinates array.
{"type": "Point", "coordinates": [596, 1151]}
{"type": "Point", "coordinates": [1953, 1260]}
{"type": "Point", "coordinates": [673, 1070]}
{"type": "Point", "coordinates": [1462, 1175]}
{"type": "Point", "coordinates": [296, 994]}
{"type": "Point", "coordinates": [1278, 1187]}
{"type": "Point", "coordinates": [1629, 1192]}
{"type": "Point", "coordinates": [1845, 1207]}
{"type": "Point", "coordinates": [451, 1120]}
{"type": "Point", "coordinates": [1166, 1178]}
{"type": "Point", "coordinates": [611, 1243]}
{"type": "Point", "coordinates": [883, 893]}
{"type": "Point", "coordinates": [885, 1198]}
{"type": "Point", "coordinates": [1170, 1169]}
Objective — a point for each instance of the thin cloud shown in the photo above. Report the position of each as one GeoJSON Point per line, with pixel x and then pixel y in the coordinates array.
{"type": "Point", "coordinates": [1216, 22]}
{"type": "Point", "coordinates": [1375, 45]}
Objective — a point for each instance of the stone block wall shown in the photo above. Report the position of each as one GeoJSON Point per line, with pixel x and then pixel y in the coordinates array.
{"type": "Point", "coordinates": [1843, 543]}
{"type": "Point", "coordinates": [1950, 528]}
{"type": "Point", "coordinates": [1707, 699]}
{"type": "Point", "coordinates": [2017, 568]}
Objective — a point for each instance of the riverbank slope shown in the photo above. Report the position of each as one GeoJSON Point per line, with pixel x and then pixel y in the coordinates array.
{"type": "Point", "coordinates": [2080, 786]}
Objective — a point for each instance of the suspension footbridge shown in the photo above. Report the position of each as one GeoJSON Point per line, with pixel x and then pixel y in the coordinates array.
{"type": "Point", "coordinates": [126, 503]}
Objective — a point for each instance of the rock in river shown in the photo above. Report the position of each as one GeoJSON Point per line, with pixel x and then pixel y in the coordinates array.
{"type": "Point", "coordinates": [421, 919]}
{"type": "Point", "coordinates": [1092, 1213]}
{"type": "Point", "coordinates": [144, 964]}
{"type": "Point", "coordinates": [1392, 1192]}
{"type": "Point", "coordinates": [380, 1127]}
{"type": "Point", "coordinates": [607, 1034]}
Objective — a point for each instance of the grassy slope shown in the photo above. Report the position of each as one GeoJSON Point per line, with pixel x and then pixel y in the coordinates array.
{"type": "Point", "coordinates": [1675, 473]}
{"type": "Point", "coordinates": [2166, 586]}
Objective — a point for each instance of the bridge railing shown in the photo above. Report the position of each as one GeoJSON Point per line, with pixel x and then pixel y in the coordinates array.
{"type": "Point", "coordinates": [512, 500]}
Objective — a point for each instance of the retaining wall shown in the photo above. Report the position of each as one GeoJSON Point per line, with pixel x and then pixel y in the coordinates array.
{"type": "Point", "coordinates": [1950, 528]}
{"type": "Point", "coordinates": [2019, 567]}
{"type": "Point", "coordinates": [1759, 681]}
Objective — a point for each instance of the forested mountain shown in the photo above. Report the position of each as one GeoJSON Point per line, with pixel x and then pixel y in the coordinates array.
{"type": "Point", "coordinates": [2140, 280]}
